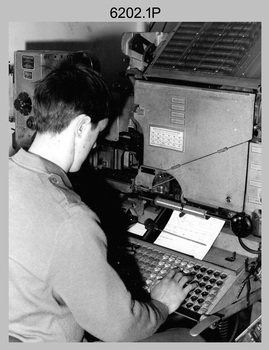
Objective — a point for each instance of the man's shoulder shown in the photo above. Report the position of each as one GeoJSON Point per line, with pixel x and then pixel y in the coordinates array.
{"type": "Point", "coordinates": [61, 193]}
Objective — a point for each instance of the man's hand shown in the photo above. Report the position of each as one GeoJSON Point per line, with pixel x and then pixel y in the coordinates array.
{"type": "Point", "coordinates": [170, 290]}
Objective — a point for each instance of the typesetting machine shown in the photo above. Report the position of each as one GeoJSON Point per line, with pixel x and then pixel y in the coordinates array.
{"type": "Point", "coordinates": [191, 142]}
{"type": "Point", "coordinates": [187, 140]}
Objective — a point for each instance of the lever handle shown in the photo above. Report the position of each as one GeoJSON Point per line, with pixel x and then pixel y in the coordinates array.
{"type": "Point", "coordinates": [204, 324]}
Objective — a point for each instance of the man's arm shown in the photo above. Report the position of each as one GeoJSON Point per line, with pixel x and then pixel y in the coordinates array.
{"type": "Point", "coordinates": [94, 292]}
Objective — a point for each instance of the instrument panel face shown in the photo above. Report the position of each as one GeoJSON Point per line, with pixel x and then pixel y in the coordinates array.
{"type": "Point", "coordinates": [200, 136]}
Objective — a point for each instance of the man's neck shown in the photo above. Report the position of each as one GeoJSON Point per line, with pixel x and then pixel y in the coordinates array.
{"type": "Point", "coordinates": [54, 148]}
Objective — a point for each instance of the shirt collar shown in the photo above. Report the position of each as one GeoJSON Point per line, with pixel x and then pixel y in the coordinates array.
{"type": "Point", "coordinates": [36, 162]}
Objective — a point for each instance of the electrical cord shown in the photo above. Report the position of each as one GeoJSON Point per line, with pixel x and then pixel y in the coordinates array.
{"type": "Point", "coordinates": [250, 250]}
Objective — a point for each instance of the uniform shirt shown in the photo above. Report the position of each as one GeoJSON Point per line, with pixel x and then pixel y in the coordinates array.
{"type": "Point", "coordinates": [60, 282]}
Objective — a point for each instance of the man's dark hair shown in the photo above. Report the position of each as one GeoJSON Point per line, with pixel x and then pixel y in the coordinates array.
{"type": "Point", "coordinates": [68, 90]}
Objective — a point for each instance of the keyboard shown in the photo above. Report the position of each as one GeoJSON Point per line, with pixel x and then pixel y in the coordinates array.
{"type": "Point", "coordinates": [154, 262]}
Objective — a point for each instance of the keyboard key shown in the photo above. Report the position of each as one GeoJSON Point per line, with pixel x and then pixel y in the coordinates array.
{"type": "Point", "coordinates": [154, 263]}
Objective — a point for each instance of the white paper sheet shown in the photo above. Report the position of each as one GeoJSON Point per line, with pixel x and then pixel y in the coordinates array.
{"type": "Point", "coordinates": [137, 229]}
{"type": "Point", "coordinates": [190, 234]}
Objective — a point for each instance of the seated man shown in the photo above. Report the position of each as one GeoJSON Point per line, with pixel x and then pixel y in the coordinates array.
{"type": "Point", "coordinates": [60, 282]}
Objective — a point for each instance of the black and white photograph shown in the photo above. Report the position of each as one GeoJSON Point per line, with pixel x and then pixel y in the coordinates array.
{"type": "Point", "coordinates": [134, 177]}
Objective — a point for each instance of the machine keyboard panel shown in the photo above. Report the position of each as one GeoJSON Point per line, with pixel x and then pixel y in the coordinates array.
{"type": "Point", "coordinates": [154, 262]}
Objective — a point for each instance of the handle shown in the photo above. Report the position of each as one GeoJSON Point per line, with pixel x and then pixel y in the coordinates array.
{"type": "Point", "coordinates": [204, 324]}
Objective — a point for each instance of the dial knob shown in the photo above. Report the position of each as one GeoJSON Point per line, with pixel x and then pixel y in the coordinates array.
{"type": "Point", "coordinates": [241, 225]}
{"type": "Point", "coordinates": [23, 103]}
{"type": "Point", "coordinates": [30, 122]}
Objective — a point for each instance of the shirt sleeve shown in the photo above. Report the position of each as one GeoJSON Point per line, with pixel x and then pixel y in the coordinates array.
{"type": "Point", "coordinates": [91, 288]}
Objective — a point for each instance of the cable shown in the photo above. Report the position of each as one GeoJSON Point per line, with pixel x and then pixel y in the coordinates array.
{"type": "Point", "coordinates": [235, 328]}
{"type": "Point", "coordinates": [250, 250]}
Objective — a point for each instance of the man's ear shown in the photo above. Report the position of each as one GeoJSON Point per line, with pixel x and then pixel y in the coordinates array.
{"type": "Point", "coordinates": [83, 124]}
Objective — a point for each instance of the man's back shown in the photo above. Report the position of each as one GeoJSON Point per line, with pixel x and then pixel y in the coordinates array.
{"type": "Point", "coordinates": [59, 275]}
{"type": "Point", "coordinates": [35, 215]}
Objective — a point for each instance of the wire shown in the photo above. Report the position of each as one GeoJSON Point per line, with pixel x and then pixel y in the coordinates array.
{"type": "Point", "coordinates": [250, 250]}
{"type": "Point", "coordinates": [162, 182]}
{"type": "Point", "coordinates": [235, 329]}
{"type": "Point", "coordinates": [224, 149]}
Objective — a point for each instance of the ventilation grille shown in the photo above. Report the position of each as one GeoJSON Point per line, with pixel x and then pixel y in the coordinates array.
{"type": "Point", "coordinates": [213, 49]}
